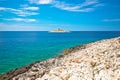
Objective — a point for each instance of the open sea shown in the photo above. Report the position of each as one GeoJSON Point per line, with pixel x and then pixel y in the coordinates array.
{"type": "Point", "coordinates": [20, 48]}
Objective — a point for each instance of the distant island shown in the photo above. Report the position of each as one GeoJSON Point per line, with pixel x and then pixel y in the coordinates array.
{"type": "Point", "coordinates": [59, 31]}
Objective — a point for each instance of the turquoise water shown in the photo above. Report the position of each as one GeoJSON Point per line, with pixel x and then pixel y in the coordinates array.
{"type": "Point", "coordinates": [21, 48]}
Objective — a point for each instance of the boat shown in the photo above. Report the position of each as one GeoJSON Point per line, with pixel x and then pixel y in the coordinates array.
{"type": "Point", "coordinates": [59, 31]}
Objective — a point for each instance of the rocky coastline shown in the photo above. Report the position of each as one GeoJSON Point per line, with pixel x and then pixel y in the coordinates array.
{"type": "Point", "coordinates": [94, 61]}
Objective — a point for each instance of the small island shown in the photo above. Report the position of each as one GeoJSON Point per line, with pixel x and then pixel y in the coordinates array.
{"type": "Point", "coordinates": [59, 31]}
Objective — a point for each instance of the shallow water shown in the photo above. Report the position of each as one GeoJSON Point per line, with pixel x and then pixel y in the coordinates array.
{"type": "Point", "coordinates": [21, 48]}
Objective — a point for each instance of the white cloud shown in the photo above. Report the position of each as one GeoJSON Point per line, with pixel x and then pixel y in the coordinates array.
{"type": "Point", "coordinates": [3, 8]}
{"type": "Point", "coordinates": [88, 5]}
{"type": "Point", "coordinates": [26, 11]}
{"type": "Point", "coordinates": [111, 20]}
{"type": "Point", "coordinates": [22, 20]}
{"type": "Point", "coordinates": [45, 1]}
{"type": "Point", "coordinates": [31, 8]}
{"type": "Point", "coordinates": [41, 1]}
{"type": "Point", "coordinates": [70, 7]}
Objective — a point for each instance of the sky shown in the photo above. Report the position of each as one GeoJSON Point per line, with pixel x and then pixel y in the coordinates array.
{"type": "Point", "coordinates": [73, 15]}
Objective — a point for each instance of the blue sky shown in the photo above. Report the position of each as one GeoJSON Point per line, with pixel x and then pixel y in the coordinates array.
{"type": "Point", "coordinates": [43, 15]}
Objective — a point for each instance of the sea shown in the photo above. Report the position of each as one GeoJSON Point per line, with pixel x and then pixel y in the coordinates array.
{"type": "Point", "coordinates": [20, 48]}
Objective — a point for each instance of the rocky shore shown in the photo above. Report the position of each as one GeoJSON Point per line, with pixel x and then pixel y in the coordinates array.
{"type": "Point", "coordinates": [94, 61]}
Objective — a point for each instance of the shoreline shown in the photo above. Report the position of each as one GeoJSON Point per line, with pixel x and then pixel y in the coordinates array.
{"type": "Point", "coordinates": [47, 65]}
